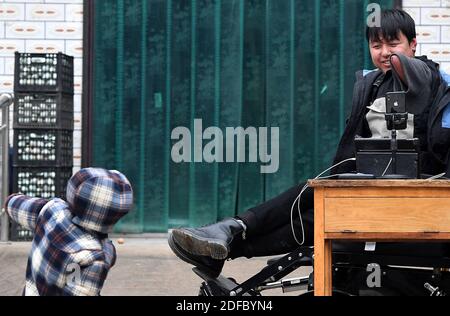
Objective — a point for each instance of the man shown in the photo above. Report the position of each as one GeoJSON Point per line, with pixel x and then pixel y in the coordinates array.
{"type": "Point", "coordinates": [267, 229]}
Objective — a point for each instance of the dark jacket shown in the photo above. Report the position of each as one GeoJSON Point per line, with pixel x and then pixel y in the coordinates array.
{"type": "Point", "coordinates": [435, 157]}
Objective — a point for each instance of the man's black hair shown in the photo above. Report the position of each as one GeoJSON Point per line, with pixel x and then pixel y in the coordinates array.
{"type": "Point", "coordinates": [392, 22]}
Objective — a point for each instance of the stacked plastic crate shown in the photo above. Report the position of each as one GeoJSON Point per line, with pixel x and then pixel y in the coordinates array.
{"type": "Point", "coordinates": [43, 127]}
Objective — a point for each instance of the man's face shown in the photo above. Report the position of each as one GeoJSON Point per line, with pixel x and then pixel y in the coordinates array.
{"type": "Point", "coordinates": [382, 50]}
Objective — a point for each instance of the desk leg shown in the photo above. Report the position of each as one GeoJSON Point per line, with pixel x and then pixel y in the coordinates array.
{"type": "Point", "coordinates": [322, 249]}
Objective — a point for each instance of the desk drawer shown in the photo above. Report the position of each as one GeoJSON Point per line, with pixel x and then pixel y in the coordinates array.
{"type": "Point", "coordinates": [387, 215]}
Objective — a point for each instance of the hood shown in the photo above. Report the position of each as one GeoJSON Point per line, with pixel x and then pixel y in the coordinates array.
{"type": "Point", "coordinates": [99, 198]}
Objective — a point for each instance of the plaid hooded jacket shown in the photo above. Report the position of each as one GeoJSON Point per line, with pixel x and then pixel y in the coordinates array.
{"type": "Point", "coordinates": [71, 253]}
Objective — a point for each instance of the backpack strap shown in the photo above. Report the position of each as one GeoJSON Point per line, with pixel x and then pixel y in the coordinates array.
{"type": "Point", "coordinates": [445, 76]}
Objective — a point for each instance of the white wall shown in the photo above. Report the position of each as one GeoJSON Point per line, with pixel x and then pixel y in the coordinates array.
{"type": "Point", "coordinates": [433, 28]}
{"type": "Point", "coordinates": [43, 26]}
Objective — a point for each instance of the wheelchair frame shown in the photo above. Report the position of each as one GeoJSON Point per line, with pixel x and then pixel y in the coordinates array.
{"type": "Point", "coordinates": [346, 268]}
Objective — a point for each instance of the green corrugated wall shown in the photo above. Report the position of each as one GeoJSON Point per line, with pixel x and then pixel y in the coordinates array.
{"type": "Point", "coordinates": [160, 64]}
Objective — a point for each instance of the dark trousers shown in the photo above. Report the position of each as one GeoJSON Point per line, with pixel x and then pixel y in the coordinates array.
{"type": "Point", "coordinates": [269, 230]}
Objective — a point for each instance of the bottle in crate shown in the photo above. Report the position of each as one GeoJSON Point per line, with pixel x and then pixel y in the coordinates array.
{"type": "Point", "coordinates": [43, 127]}
{"type": "Point", "coordinates": [37, 147]}
{"type": "Point", "coordinates": [42, 182]}
{"type": "Point", "coordinates": [38, 182]}
{"type": "Point", "coordinates": [20, 233]}
{"type": "Point", "coordinates": [36, 72]}
{"type": "Point", "coordinates": [43, 110]}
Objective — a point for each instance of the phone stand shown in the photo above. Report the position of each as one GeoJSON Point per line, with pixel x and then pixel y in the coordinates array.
{"type": "Point", "coordinates": [396, 119]}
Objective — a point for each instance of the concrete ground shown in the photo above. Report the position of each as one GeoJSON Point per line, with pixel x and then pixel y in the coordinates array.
{"type": "Point", "coordinates": [145, 267]}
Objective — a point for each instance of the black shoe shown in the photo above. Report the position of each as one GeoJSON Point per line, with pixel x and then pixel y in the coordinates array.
{"type": "Point", "coordinates": [207, 265]}
{"type": "Point", "coordinates": [211, 241]}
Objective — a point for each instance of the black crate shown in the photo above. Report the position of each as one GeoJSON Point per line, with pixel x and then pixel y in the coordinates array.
{"type": "Point", "coordinates": [20, 233]}
{"type": "Point", "coordinates": [36, 72]}
{"type": "Point", "coordinates": [44, 183]}
{"type": "Point", "coordinates": [34, 147]}
{"type": "Point", "coordinates": [43, 110]}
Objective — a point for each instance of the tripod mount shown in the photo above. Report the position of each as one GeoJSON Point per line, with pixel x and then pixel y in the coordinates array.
{"type": "Point", "coordinates": [396, 119]}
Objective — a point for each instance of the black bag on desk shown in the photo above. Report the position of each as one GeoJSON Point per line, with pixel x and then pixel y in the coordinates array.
{"type": "Point", "coordinates": [374, 156]}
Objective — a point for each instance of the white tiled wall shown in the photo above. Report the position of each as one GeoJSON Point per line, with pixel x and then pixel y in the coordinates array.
{"type": "Point", "coordinates": [433, 28]}
{"type": "Point", "coordinates": [43, 26]}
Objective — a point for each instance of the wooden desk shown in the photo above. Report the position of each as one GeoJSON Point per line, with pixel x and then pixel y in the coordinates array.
{"type": "Point", "coordinates": [375, 210]}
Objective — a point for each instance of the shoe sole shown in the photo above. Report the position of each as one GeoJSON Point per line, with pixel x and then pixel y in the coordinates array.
{"type": "Point", "coordinates": [182, 256]}
{"type": "Point", "coordinates": [201, 246]}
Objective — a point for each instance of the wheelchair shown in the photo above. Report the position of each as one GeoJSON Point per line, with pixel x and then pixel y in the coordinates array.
{"type": "Point", "coordinates": [391, 269]}
{"type": "Point", "coordinates": [358, 268]}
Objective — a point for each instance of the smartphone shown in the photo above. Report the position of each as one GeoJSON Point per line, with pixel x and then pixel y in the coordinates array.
{"type": "Point", "coordinates": [396, 102]}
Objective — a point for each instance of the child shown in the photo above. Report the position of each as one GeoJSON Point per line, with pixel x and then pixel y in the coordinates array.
{"type": "Point", "coordinates": [71, 253]}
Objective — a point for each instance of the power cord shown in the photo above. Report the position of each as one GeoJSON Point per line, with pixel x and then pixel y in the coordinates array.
{"type": "Point", "coordinates": [299, 197]}
{"type": "Point", "coordinates": [385, 170]}
{"type": "Point", "coordinates": [438, 176]}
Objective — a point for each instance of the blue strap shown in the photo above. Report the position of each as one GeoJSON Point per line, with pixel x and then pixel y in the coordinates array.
{"type": "Point", "coordinates": [446, 77]}
{"type": "Point", "coordinates": [366, 72]}
{"type": "Point", "coordinates": [446, 117]}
